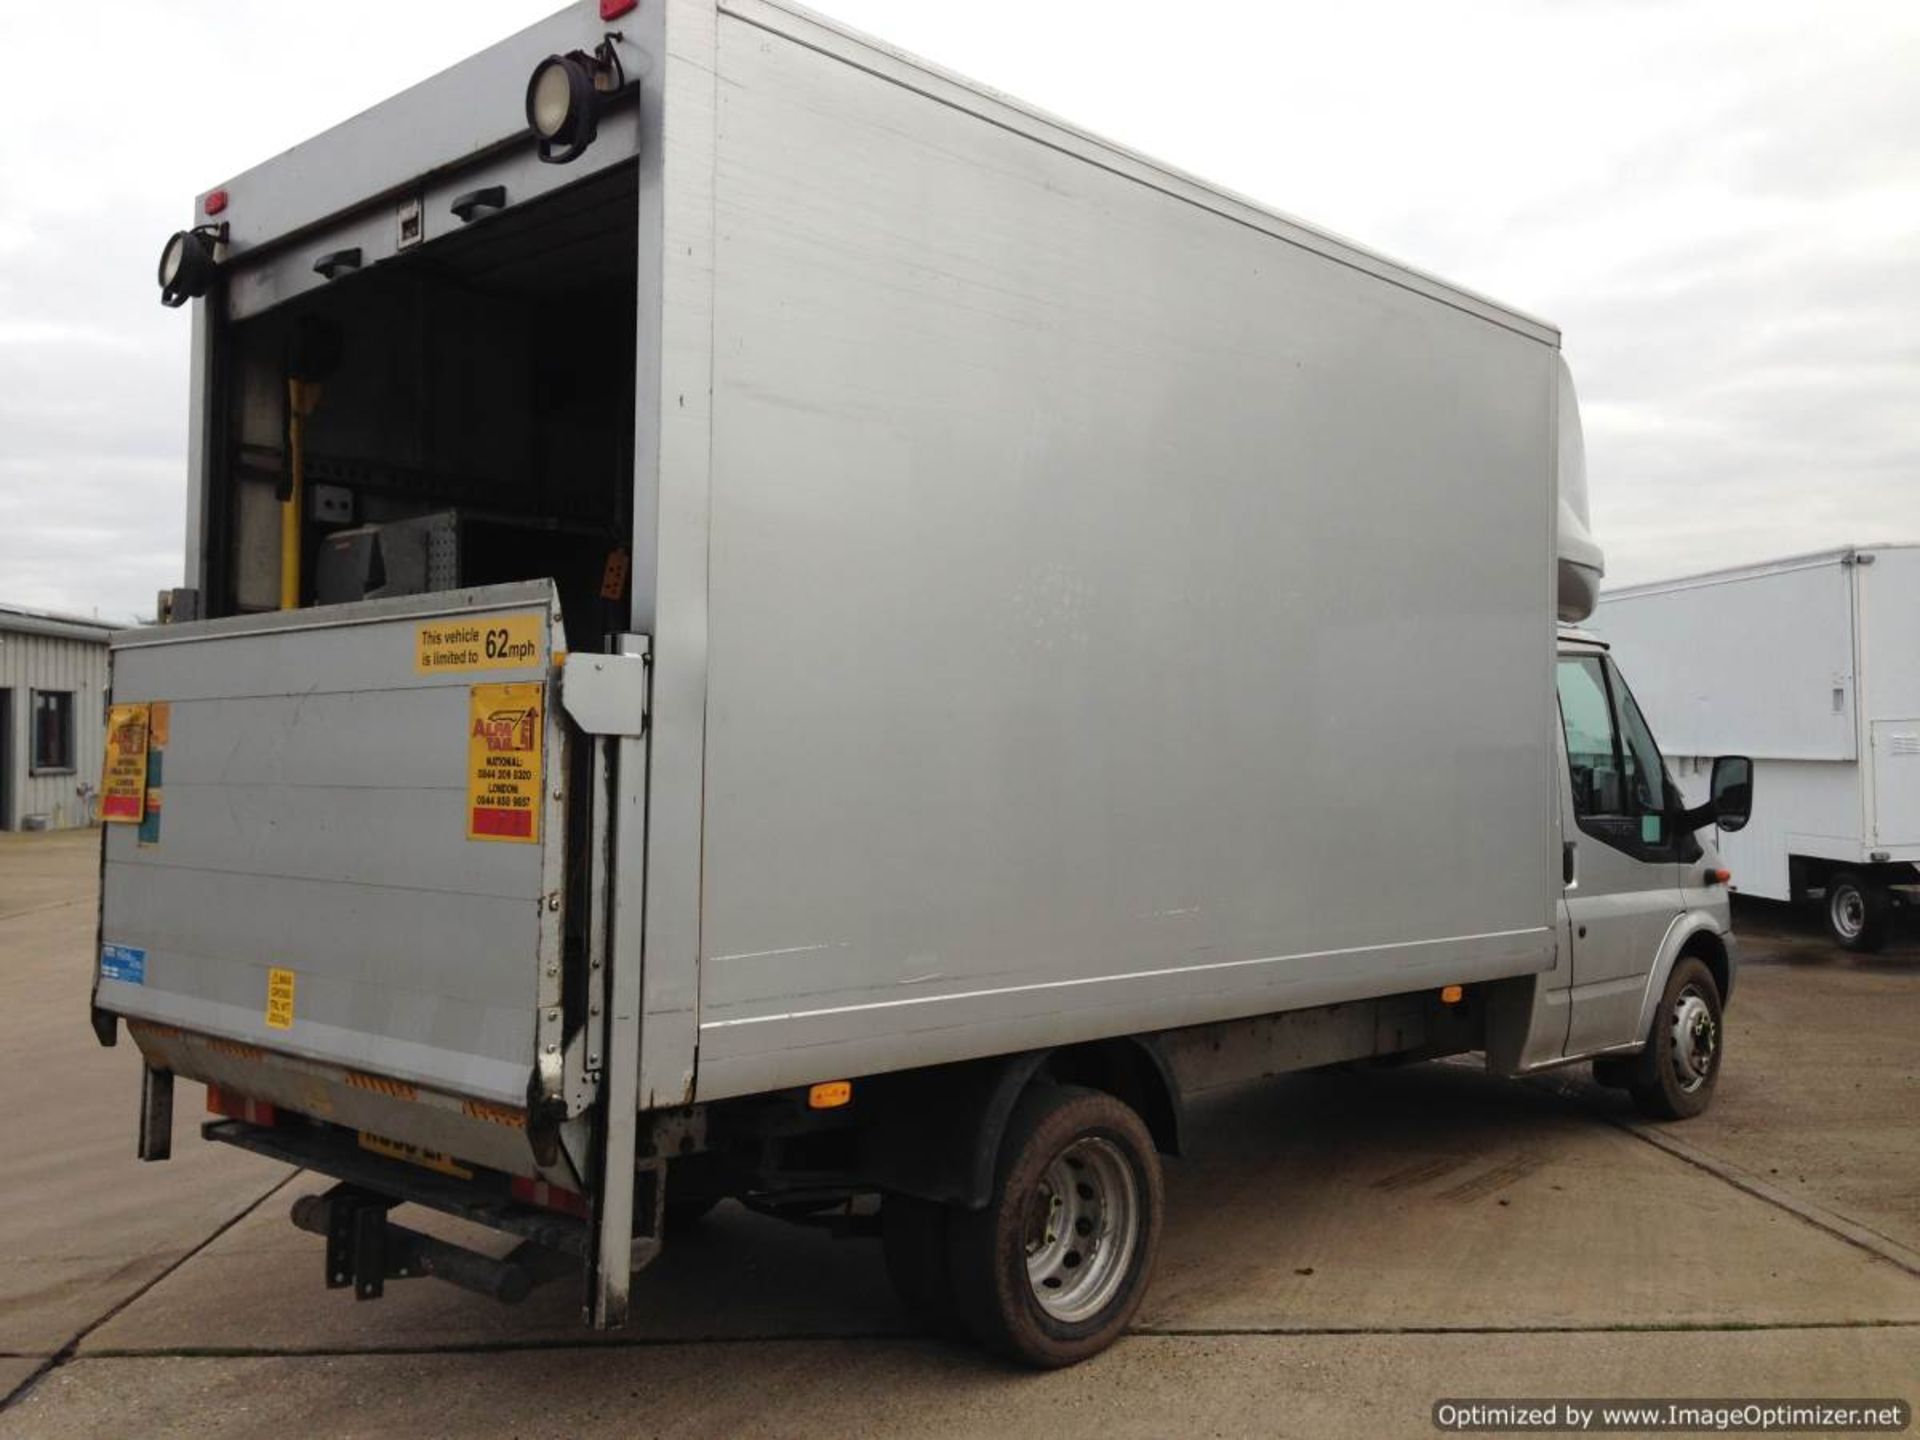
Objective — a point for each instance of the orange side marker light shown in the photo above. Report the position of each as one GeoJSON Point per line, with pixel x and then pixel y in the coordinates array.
{"type": "Point", "coordinates": [830, 1095]}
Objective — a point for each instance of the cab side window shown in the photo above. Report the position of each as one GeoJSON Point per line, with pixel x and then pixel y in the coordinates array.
{"type": "Point", "coordinates": [1619, 780]}
{"type": "Point", "coordinates": [1645, 770]}
{"type": "Point", "coordinates": [1593, 747]}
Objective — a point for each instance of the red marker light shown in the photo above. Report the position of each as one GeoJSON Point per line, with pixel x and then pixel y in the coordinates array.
{"type": "Point", "coordinates": [239, 1107]}
{"type": "Point", "coordinates": [614, 9]}
{"type": "Point", "coordinates": [530, 1191]}
{"type": "Point", "coordinates": [215, 202]}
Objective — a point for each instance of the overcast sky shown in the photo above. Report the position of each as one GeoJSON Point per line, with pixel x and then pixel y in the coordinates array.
{"type": "Point", "coordinates": [1718, 201]}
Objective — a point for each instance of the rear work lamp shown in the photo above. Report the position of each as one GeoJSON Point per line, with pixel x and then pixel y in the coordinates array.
{"type": "Point", "coordinates": [187, 264]}
{"type": "Point", "coordinates": [564, 96]}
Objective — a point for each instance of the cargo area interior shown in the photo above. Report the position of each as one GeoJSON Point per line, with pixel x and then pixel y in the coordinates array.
{"type": "Point", "coordinates": [468, 416]}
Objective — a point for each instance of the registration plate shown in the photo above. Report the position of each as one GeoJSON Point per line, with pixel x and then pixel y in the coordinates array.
{"type": "Point", "coordinates": [414, 1155]}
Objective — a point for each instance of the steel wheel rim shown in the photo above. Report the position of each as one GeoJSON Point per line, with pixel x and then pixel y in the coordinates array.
{"type": "Point", "coordinates": [1082, 1227]}
{"type": "Point", "coordinates": [1696, 1039]}
{"type": "Point", "coordinates": [1848, 908]}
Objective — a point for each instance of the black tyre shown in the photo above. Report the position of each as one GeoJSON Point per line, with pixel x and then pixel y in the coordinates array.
{"type": "Point", "coordinates": [1052, 1270]}
{"type": "Point", "coordinates": [913, 1241]}
{"type": "Point", "coordinates": [1675, 1075]}
{"type": "Point", "coordinates": [1856, 912]}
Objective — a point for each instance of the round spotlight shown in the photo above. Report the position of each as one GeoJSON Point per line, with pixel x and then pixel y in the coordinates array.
{"type": "Point", "coordinates": [550, 99]}
{"type": "Point", "coordinates": [186, 267]}
{"type": "Point", "coordinates": [563, 106]}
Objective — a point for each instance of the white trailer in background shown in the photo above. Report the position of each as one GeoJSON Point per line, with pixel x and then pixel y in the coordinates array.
{"type": "Point", "coordinates": [1811, 665]}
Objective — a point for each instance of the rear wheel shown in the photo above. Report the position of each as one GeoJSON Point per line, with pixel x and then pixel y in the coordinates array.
{"type": "Point", "coordinates": [1052, 1270]}
{"type": "Point", "coordinates": [1856, 912]}
{"type": "Point", "coordinates": [1676, 1074]}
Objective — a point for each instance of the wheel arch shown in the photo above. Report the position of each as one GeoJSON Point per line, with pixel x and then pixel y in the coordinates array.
{"type": "Point", "coordinates": [1133, 1070]}
{"type": "Point", "coordinates": [1711, 947]}
{"type": "Point", "coordinates": [935, 1133]}
{"type": "Point", "coordinates": [1696, 934]}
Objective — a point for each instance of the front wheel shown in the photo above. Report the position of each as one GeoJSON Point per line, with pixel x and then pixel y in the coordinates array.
{"type": "Point", "coordinates": [1675, 1075]}
{"type": "Point", "coordinates": [1856, 913]}
{"type": "Point", "coordinates": [1051, 1271]}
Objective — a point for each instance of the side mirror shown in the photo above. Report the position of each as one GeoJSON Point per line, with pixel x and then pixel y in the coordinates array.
{"type": "Point", "coordinates": [1731, 794]}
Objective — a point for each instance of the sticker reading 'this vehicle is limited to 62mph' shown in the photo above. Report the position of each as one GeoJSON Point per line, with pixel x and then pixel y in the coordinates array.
{"type": "Point", "coordinates": [491, 642]}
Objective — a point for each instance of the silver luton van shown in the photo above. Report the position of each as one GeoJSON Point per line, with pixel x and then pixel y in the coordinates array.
{"type": "Point", "coordinates": [764, 622]}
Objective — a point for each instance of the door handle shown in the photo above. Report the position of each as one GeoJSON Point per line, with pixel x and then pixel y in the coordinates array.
{"type": "Point", "coordinates": [1569, 864]}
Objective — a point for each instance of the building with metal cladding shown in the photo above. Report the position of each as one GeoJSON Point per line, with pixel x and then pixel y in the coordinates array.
{"type": "Point", "coordinates": [53, 686]}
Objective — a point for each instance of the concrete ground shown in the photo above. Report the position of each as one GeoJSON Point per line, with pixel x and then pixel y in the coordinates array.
{"type": "Point", "coordinates": [1341, 1251]}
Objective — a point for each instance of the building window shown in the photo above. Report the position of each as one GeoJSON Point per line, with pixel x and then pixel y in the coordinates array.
{"type": "Point", "coordinates": [52, 730]}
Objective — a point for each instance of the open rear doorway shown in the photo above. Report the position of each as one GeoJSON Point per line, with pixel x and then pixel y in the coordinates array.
{"type": "Point", "coordinates": [464, 416]}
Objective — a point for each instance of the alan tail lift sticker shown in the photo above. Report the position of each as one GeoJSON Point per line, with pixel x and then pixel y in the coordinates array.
{"type": "Point", "coordinates": [123, 786]}
{"type": "Point", "coordinates": [505, 733]}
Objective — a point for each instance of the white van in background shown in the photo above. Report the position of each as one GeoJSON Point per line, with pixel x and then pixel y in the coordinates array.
{"type": "Point", "coordinates": [1810, 665]}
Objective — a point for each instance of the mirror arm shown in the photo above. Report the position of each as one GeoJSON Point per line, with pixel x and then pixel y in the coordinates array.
{"type": "Point", "coordinates": [1698, 818]}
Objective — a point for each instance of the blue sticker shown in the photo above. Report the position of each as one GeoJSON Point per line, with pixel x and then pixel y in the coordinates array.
{"type": "Point", "coordinates": [123, 962]}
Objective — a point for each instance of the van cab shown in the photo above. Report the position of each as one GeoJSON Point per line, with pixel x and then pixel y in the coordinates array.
{"type": "Point", "coordinates": [1637, 881]}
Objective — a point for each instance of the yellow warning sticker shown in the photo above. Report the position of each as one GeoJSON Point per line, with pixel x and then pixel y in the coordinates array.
{"type": "Point", "coordinates": [123, 782]}
{"type": "Point", "coordinates": [493, 642]}
{"type": "Point", "coordinates": [497, 1114]}
{"type": "Point", "coordinates": [504, 739]}
{"type": "Point", "coordinates": [279, 999]}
